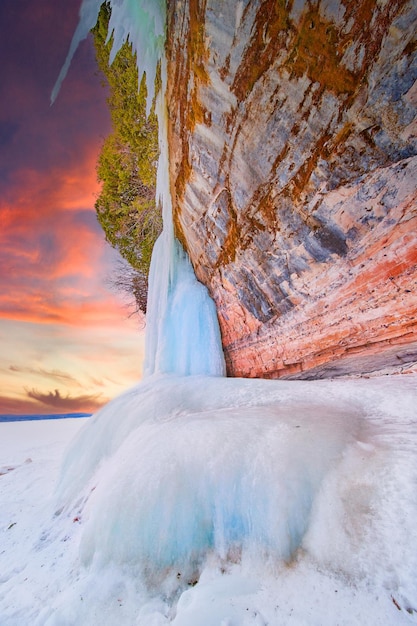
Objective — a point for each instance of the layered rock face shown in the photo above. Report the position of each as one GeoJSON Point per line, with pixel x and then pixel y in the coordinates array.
{"type": "Point", "coordinates": [293, 134]}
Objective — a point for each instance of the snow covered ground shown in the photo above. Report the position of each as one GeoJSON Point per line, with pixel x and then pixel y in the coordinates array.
{"type": "Point", "coordinates": [204, 501]}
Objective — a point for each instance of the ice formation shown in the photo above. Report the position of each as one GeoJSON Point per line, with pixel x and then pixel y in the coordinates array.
{"type": "Point", "coordinates": [207, 472]}
{"type": "Point", "coordinates": [182, 330]}
{"type": "Point", "coordinates": [188, 477]}
{"type": "Point", "coordinates": [190, 469]}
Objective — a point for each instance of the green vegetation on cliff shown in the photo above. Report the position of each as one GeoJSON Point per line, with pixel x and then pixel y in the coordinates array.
{"type": "Point", "coordinates": [126, 207]}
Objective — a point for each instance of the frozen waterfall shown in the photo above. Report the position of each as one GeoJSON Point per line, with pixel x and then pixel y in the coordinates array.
{"type": "Point", "coordinates": [182, 330]}
{"type": "Point", "coordinates": [197, 496]}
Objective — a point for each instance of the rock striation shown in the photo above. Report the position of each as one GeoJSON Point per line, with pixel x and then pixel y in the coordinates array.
{"type": "Point", "coordinates": [293, 139]}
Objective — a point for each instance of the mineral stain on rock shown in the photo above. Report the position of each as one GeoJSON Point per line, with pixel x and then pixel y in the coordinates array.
{"type": "Point", "coordinates": [293, 138]}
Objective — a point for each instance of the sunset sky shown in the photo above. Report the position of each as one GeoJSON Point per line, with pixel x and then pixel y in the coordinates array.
{"type": "Point", "coordinates": [66, 341]}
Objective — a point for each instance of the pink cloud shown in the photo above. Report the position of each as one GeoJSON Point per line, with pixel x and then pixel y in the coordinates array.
{"type": "Point", "coordinates": [52, 249]}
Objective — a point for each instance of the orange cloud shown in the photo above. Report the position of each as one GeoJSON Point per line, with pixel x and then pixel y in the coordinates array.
{"type": "Point", "coordinates": [87, 364]}
{"type": "Point", "coordinates": [103, 312]}
{"type": "Point", "coordinates": [67, 404]}
{"type": "Point", "coordinates": [20, 406]}
{"type": "Point", "coordinates": [55, 263]}
{"type": "Point", "coordinates": [43, 373]}
{"type": "Point", "coordinates": [36, 406]}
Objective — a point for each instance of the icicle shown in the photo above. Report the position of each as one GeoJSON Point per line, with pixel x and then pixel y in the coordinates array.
{"type": "Point", "coordinates": [88, 17]}
{"type": "Point", "coordinates": [142, 22]}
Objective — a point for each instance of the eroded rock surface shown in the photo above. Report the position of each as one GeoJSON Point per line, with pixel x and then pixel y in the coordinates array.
{"type": "Point", "coordinates": [293, 132]}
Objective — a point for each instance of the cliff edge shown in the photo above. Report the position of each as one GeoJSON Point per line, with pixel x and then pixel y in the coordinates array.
{"type": "Point", "coordinates": [293, 138]}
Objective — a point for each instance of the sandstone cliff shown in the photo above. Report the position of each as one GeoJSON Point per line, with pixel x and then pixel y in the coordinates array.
{"type": "Point", "coordinates": [293, 130]}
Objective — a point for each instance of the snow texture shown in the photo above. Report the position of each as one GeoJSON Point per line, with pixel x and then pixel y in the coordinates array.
{"type": "Point", "coordinates": [209, 501]}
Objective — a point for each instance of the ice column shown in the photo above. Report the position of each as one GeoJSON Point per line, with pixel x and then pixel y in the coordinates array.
{"type": "Point", "coordinates": [182, 334]}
